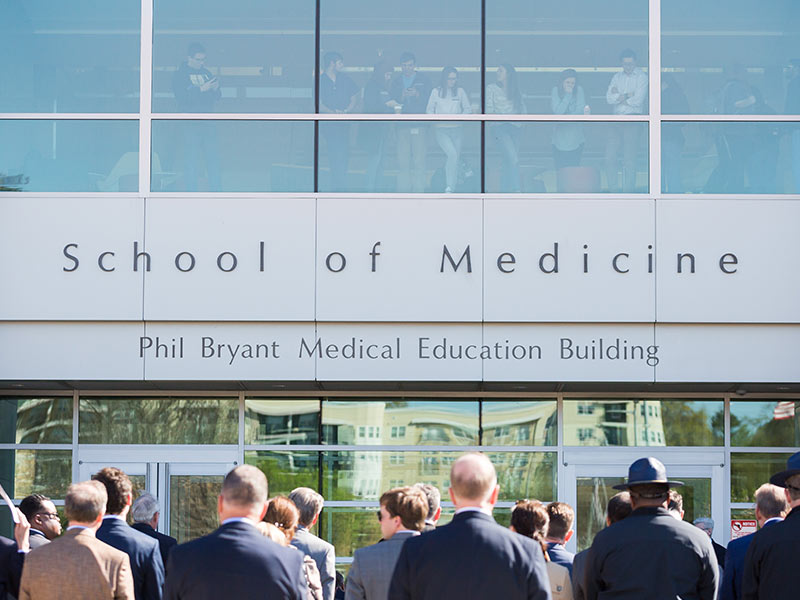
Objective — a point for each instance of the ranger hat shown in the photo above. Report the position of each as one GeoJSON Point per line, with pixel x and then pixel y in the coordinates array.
{"type": "Point", "coordinates": [792, 468]}
{"type": "Point", "coordinates": [647, 470]}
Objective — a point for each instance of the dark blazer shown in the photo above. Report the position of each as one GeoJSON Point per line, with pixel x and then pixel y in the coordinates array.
{"type": "Point", "coordinates": [560, 555]}
{"type": "Point", "coordinates": [734, 566]}
{"type": "Point", "coordinates": [235, 561]}
{"type": "Point", "coordinates": [772, 562]}
{"type": "Point", "coordinates": [146, 564]}
{"type": "Point", "coordinates": [470, 557]}
{"type": "Point", "coordinates": [11, 563]}
{"type": "Point", "coordinates": [165, 542]}
{"type": "Point", "coordinates": [719, 552]}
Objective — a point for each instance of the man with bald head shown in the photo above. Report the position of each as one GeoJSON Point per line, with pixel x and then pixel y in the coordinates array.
{"type": "Point", "coordinates": [236, 561]}
{"type": "Point", "coordinates": [472, 556]}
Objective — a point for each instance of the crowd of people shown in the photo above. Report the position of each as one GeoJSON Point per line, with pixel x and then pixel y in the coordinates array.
{"type": "Point", "coordinates": [263, 547]}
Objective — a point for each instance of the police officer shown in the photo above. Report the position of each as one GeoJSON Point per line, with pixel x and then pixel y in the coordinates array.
{"type": "Point", "coordinates": [651, 554]}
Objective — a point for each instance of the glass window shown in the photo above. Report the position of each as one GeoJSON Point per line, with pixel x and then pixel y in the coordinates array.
{"type": "Point", "coordinates": [281, 422]}
{"type": "Point", "coordinates": [349, 529]}
{"type": "Point", "coordinates": [286, 471]}
{"type": "Point", "coordinates": [232, 156]}
{"type": "Point", "coordinates": [158, 421]}
{"type": "Point", "coordinates": [566, 157]}
{"type": "Point", "coordinates": [427, 422]}
{"type": "Point", "coordinates": [729, 158]}
{"type": "Point", "coordinates": [674, 422]}
{"type": "Point", "coordinates": [193, 503]}
{"type": "Point", "coordinates": [36, 420]}
{"type": "Point", "coordinates": [526, 475]}
{"type": "Point", "coordinates": [730, 59]}
{"type": "Point", "coordinates": [69, 56]}
{"type": "Point", "coordinates": [519, 423]}
{"type": "Point", "coordinates": [26, 472]}
{"type": "Point", "coordinates": [537, 42]}
{"type": "Point", "coordinates": [244, 56]}
{"type": "Point", "coordinates": [69, 156]}
{"type": "Point", "coordinates": [750, 471]}
{"type": "Point", "coordinates": [407, 156]}
{"type": "Point", "coordinates": [765, 423]}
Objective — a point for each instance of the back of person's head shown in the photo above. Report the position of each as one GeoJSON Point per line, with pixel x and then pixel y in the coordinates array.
{"type": "Point", "coordinates": [434, 498]}
{"type": "Point", "coordinates": [331, 58]}
{"type": "Point", "coordinates": [675, 503]}
{"type": "Point", "coordinates": [118, 487]}
{"type": "Point", "coordinates": [271, 532]}
{"type": "Point", "coordinates": [85, 501]}
{"type": "Point", "coordinates": [530, 518]}
{"type": "Point", "coordinates": [244, 486]}
{"type": "Point", "coordinates": [282, 513]}
{"type": "Point", "coordinates": [308, 502]}
{"type": "Point", "coordinates": [627, 53]}
{"type": "Point", "coordinates": [561, 518]}
{"type": "Point", "coordinates": [473, 477]}
{"type": "Point", "coordinates": [144, 508]}
{"type": "Point", "coordinates": [195, 48]}
{"type": "Point", "coordinates": [408, 503]}
{"type": "Point", "coordinates": [649, 494]}
{"type": "Point", "coordinates": [770, 501]}
{"type": "Point", "coordinates": [793, 485]}
{"type": "Point", "coordinates": [619, 507]}
{"type": "Point", "coordinates": [704, 523]}
{"type": "Point", "coordinates": [32, 505]}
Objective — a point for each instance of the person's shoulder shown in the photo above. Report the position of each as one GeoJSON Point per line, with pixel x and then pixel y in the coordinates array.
{"type": "Point", "coordinates": [740, 543]}
{"type": "Point", "coordinates": [312, 541]}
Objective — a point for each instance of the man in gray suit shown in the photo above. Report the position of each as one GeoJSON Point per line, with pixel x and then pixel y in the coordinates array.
{"type": "Point", "coordinates": [401, 516]}
{"type": "Point", "coordinates": [310, 504]}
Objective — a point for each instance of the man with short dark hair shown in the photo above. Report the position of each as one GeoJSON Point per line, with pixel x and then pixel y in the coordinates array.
{"type": "Point", "coordinates": [650, 554]}
{"type": "Point", "coordinates": [472, 556]}
{"type": "Point", "coordinates": [145, 514]}
{"type": "Point", "coordinates": [771, 564]}
{"type": "Point", "coordinates": [401, 516]}
{"type": "Point", "coordinates": [434, 505]}
{"type": "Point", "coordinates": [236, 561]}
{"type": "Point", "coordinates": [559, 532]}
{"type": "Point", "coordinates": [145, 555]}
{"type": "Point", "coordinates": [77, 564]}
{"type": "Point", "coordinates": [310, 504]}
{"type": "Point", "coordinates": [43, 517]}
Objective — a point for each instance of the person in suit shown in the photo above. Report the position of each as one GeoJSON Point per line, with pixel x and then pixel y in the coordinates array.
{"type": "Point", "coordinates": [310, 504]}
{"type": "Point", "coordinates": [401, 516]}
{"type": "Point", "coordinates": [771, 507]}
{"type": "Point", "coordinates": [707, 524]}
{"type": "Point", "coordinates": [770, 565]}
{"type": "Point", "coordinates": [77, 564]}
{"type": "Point", "coordinates": [559, 532]}
{"type": "Point", "coordinates": [434, 505]}
{"type": "Point", "coordinates": [41, 514]}
{"type": "Point", "coordinates": [472, 556]}
{"type": "Point", "coordinates": [12, 558]}
{"type": "Point", "coordinates": [145, 513]}
{"type": "Point", "coordinates": [144, 551]}
{"type": "Point", "coordinates": [235, 560]}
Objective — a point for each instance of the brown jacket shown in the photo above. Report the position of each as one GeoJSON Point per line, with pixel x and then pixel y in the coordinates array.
{"type": "Point", "coordinates": [76, 565]}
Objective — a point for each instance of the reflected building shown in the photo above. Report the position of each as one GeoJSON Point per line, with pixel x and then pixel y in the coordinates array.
{"type": "Point", "coordinates": [614, 423]}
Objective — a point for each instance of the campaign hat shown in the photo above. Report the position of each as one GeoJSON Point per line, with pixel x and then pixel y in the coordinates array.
{"type": "Point", "coordinates": [792, 468]}
{"type": "Point", "coordinates": [647, 470]}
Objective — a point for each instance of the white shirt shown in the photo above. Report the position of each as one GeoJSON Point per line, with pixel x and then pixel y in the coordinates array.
{"type": "Point", "coordinates": [456, 104]}
{"type": "Point", "coordinates": [636, 84]}
{"type": "Point", "coordinates": [238, 520]}
{"type": "Point", "coordinates": [486, 511]}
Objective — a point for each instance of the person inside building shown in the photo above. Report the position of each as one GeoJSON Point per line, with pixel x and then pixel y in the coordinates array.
{"type": "Point", "coordinates": [448, 98]}
{"type": "Point", "coordinates": [559, 532]}
{"type": "Point", "coordinates": [310, 504]}
{"type": "Point", "coordinates": [43, 517]}
{"type": "Point", "coordinates": [434, 505]}
{"type": "Point", "coordinates": [411, 90]}
{"type": "Point", "coordinates": [503, 97]}
{"type": "Point", "coordinates": [650, 554]}
{"type": "Point", "coordinates": [372, 134]}
{"type": "Point", "coordinates": [568, 98]}
{"type": "Point", "coordinates": [338, 94]}
{"type": "Point", "coordinates": [401, 516]}
{"type": "Point", "coordinates": [145, 514]}
{"type": "Point", "coordinates": [792, 107]}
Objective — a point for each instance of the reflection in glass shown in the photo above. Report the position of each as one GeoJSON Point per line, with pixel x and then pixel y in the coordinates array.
{"type": "Point", "coordinates": [193, 505]}
{"type": "Point", "coordinates": [519, 423]}
{"type": "Point", "coordinates": [232, 156]}
{"type": "Point", "coordinates": [567, 157]}
{"type": "Point", "coordinates": [750, 471]}
{"type": "Point", "coordinates": [25, 472]}
{"type": "Point", "coordinates": [35, 420]}
{"type": "Point", "coordinates": [765, 423]}
{"type": "Point", "coordinates": [240, 56]}
{"type": "Point", "coordinates": [728, 158]}
{"type": "Point", "coordinates": [407, 156]}
{"type": "Point", "coordinates": [526, 475]}
{"type": "Point", "coordinates": [281, 421]}
{"type": "Point", "coordinates": [349, 529]}
{"type": "Point", "coordinates": [69, 56]}
{"type": "Point", "coordinates": [286, 471]}
{"type": "Point", "coordinates": [398, 421]}
{"type": "Point", "coordinates": [651, 422]}
{"type": "Point", "coordinates": [158, 421]}
{"type": "Point", "coordinates": [69, 156]}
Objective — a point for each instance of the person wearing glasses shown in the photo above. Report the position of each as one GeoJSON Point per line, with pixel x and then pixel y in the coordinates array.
{"type": "Point", "coordinates": [41, 514]}
{"type": "Point", "coordinates": [449, 99]}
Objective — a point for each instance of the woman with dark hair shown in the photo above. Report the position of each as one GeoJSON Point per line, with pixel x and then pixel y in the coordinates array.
{"type": "Point", "coordinates": [503, 97]}
{"type": "Point", "coordinates": [449, 99]}
{"type": "Point", "coordinates": [377, 100]}
{"type": "Point", "coordinates": [529, 518]}
{"type": "Point", "coordinates": [567, 98]}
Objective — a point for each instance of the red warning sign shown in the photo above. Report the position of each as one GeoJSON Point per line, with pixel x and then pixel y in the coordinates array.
{"type": "Point", "coordinates": [743, 527]}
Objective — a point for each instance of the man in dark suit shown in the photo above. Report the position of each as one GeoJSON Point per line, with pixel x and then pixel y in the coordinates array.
{"type": "Point", "coordinates": [12, 558]}
{"type": "Point", "coordinates": [771, 563]}
{"type": "Point", "coordinates": [41, 514]}
{"type": "Point", "coordinates": [236, 561]}
{"type": "Point", "coordinates": [472, 556]}
{"type": "Point", "coordinates": [559, 532]}
{"type": "Point", "coordinates": [707, 524]}
{"type": "Point", "coordinates": [771, 507]}
{"type": "Point", "coordinates": [143, 551]}
{"type": "Point", "coordinates": [434, 505]}
{"type": "Point", "coordinates": [145, 513]}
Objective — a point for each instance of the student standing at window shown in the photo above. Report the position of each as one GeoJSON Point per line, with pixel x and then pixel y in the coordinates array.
{"type": "Point", "coordinates": [449, 99]}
